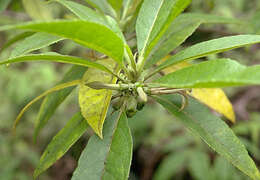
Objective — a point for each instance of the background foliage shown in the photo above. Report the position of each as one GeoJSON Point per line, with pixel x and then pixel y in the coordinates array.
{"type": "Point", "coordinates": [156, 143]}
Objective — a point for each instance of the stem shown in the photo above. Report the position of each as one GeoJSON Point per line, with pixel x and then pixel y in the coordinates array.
{"type": "Point", "coordinates": [161, 91]}
{"type": "Point", "coordinates": [118, 87]}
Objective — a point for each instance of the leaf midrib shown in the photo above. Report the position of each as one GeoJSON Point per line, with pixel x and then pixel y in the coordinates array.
{"type": "Point", "coordinates": [212, 137]}
{"type": "Point", "coordinates": [150, 30]}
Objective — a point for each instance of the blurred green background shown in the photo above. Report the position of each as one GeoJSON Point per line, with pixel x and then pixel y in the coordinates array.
{"type": "Point", "coordinates": [163, 148]}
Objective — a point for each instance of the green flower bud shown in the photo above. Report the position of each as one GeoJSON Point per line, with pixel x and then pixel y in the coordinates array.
{"type": "Point", "coordinates": [142, 95]}
{"type": "Point", "coordinates": [141, 99]}
{"type": "Point", "coordinates": [140, 104]}
{"type": "Point", "coordinates": [117, 103]}
{"type": "Point", "coordinates": [131, 107]}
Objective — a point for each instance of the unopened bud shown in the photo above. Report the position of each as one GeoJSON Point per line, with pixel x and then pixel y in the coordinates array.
{"type": "Point", "coordinates": [117, 104]}
{"type": "Point", "coordinates": [131, 107]}
{"type": "Point", "coordinates": [96, 85]}
{"type": "Point", "coordinates": [142, 95]}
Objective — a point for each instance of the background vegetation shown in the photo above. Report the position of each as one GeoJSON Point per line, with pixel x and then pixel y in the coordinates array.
{"type": "Point", "coordinates": [157, 141]}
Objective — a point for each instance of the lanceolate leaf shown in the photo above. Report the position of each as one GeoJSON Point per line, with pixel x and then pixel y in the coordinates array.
{"type": "Point", "coordinates": [49, 91]}
{"type": "Point", "coordinates": [199, 165]}
{"type": "Point", "coordinates": [224, 170]}
{"type": "Point", "coordinates": [52, 101]}
{"type": "Point", "coordinates": [213, 131]}
{"type": "Point", "coordinates": [85, 13]}
{"type": "Point", "coordinates": [133, 9]}
{"type": "Point", "coordinates": [211, 74]}
{"type": "Point", "coordinates": [116, 4]}
{"type": "Point", "coordinates": [133, 5]}
{"type": "Point", "coordinates": [54, 57]}
{"type": "Point", "coordinates": [115, 28]}
{"type": "Point", "coordinates": [61, 143]}
{"type": "Point", "coordinates": [15, 39]}
{"type": "Point", "coordinates": [153, 20]}
{"type": "Point", "coordinates": [103, 6]}
{"type": "Point", "coordinates": [171, 40]}
{"type": "Point", "coordinates": [109, 158]}
{"type": "Point", "coordinates": [171, 165]}
{"type": "Point", "coordinates": [34, 42]}
{"type": "Point", "coordinates": [210, 47]}
{"type": "Point", "coordinates": [94, 103]}
{"type": "Point", "coordinates": [208, 18]}
{"type": "Point", "coordinates": [126, 7]}
{"type": "Point", "coordinates": [37, 9]}
{"type": "Point", "coordinates": [215, 98]}
{"type": "Point", "coordinates": [180, 29]}
{"type": "Point", "coordinates": [97, 36]}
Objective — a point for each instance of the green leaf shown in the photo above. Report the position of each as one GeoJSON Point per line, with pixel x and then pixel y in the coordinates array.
{"type": "Point", "coordinates": [94, 103]}
{"type": "Point", "coordinates": [208, 18]}
{"type": "Point", "coordinates": [180, 29]}
{"type": "Point", "coordinates": [212, 130]}
{"type": "Point", "coordinates": [52, 101]}
{"type": "Point", "coordinates": [212, 74]}
{"type": "Point", "coordinates": [153, 20]}
{"type": "Point", "coordinates": [37, 9]}
{"type": "Point", "coordinates": [54, 57]}
{"type": "Point", "coordinates": [34, 42]}
{"type": "Point", "coordinates": [179, 142]}
{"type": "Point", "coordinates": [199, 165]}
{"type": "Point", "coordinates": [133, 9]}
{"type": "Point", "coordinates": [107, 158]}
{"type": "Point", "coordinates": [4, 4]}
{"type": "Point", "coordinates": [251, 147]}
{"type": "Point", "coordinates": [49, 91]}
{"type": "Point", "coordinates": [210, 47]}
{"type": "Point", "coordinates": [15, 39]}
{"type": "Point", "coordinates": [180, 32]}
{"type": "Point", "coordinates": [103, 6]}
{"type": "Point", "coordinates": [61, 143]}
{"type": "Point", "coordinates": [224, 170]}
{"type": "Point", "coordinates": [85, 13]}
{"type": "Point", "coordinates": [126, 7]}
{"type": "Point", "coordinates": [116, 28]}
{"type": "Point", "coordinates": [116, 4]}
{"type": "Point", "coordinates": [214, 98]}
{"type": "Point", "coordinates": [97, 36]}
{"type": "Point", "coordinates": [171, 165]}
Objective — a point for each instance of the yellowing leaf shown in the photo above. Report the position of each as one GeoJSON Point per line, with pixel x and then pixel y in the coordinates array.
{"type": "Point", "coordinates": [94, 103]}
{"type": "Point", "coordinates": [215, 98]}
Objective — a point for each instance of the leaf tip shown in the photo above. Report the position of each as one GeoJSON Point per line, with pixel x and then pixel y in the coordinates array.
{"type": "Point", "coordinates": [99, 133]}
{"type": "Point", "coordinates": [231, 115]}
